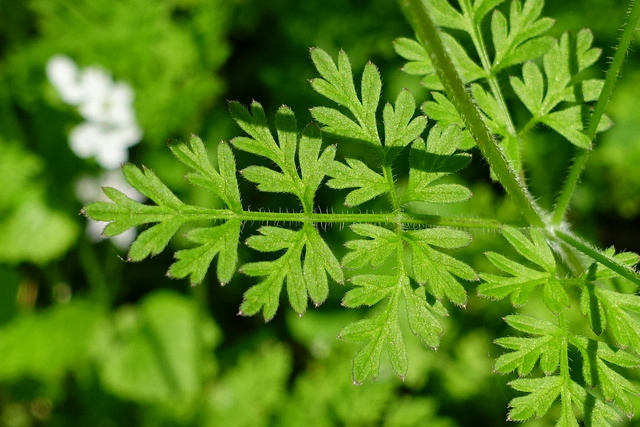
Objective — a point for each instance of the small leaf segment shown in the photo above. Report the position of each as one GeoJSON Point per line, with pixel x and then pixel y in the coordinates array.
{"type": "Point", "coordinates": [601, 393]}
{"type": "Point", "coordinates": [557, 98]}
{"type": "Point", "coordinates": [423, 274]}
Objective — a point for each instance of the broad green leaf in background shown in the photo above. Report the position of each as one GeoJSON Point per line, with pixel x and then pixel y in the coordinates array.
{"type": "Point", "coordinates": [259, 377]}
{"type": "Point", "coordinates": [30, 229]}
{"type": "Point", "coordinates": [49, 344]}
{"type": "Point", "coordinates": [163, 353]}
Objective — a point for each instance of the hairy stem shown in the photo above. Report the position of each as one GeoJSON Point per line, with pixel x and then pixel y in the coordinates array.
{"type": "Point", "coordinates": [481, 49]}
{"type": "Point", "coordinates": [597, 255]}
{"type": "Point", "coordinates": [395, 217]}
{"type": "Point", "coordinates": [427, 33]}
{"type": "Point", "coordinates": [612, 76]}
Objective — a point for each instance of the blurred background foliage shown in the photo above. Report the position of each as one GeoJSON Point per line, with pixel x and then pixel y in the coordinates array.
{"type": "Point", "coordinates": [87, 339]}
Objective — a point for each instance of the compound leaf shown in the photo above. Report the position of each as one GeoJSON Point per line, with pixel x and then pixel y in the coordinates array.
{"type": "Point", "coordinates": [436, 269]}
{"type": "Point", "coordinates": [221, 240]}
{"type": "Point", "coordinates": [434, 161]}
{"type": "Point", "coordinates": [224, 183]}
{"type": "Point", "coordinates": [336, 83]}
{"type": "Point", "coordinates": [399, 128]}
{"type": "Point", "coordinates": [305, 276]}
{"type": "Point", "coordinates": [372, 252]}
{"type": "Point", "coordinates": [542, 393]}
{"type": "Point", "coordinates": [368, 183]}
{"type": "Point", "coordinates": [376, 331]}
{"type": "Point", "coordinates": [523, 279]}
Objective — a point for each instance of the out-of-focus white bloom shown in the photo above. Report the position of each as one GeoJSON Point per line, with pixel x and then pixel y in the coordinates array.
{"type": "Point", "coordinates": [108, 144]}
{"type": "Point", "coordinates": [63, 75]}
{"type": "Point", "coordinates": [110, 126]}
{"type": "Point", "coordinates": [89, 189]}
{"type": "Point", "coordinates": [108, 131]}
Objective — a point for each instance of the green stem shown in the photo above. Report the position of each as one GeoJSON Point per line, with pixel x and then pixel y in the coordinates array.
{"type": "Point", "coordinates": [580, 161]}
{"type": "Point", "coordinates": [328, 218]}
{"type": "Point", "coordinates": [598, 256]}
{"type": "Point", "coordinates": [427, 33]}
{"type": "Point", "coordinates": [481, 49]}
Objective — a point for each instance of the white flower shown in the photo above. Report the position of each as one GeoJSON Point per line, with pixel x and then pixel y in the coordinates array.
{"type": "Point", "coordinates": [110, 127]}
{"type": "Point", "coordinates": [108, 144]}
{"type": "Point", "coordinates": [88, 189]}
{"type": "Point", "coordinates": [63, 75]}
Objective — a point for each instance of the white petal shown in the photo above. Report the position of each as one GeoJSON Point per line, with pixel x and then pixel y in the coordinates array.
{"type": "Point", "coordinates": [123, 240]}
{"type": "Point", "coordinates": [62, 72]}
{"type": "Point", "coordinates": [85, 139]}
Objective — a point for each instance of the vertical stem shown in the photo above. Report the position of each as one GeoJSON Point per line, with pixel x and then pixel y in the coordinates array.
{"type": "Point", "coordinates": [612, 76]}
{"type": "Point", "coordinates": [427, 33]}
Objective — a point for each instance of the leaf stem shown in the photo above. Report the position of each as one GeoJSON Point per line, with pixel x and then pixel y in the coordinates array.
{"type": "Point", "coordinates": [427, 33]}
{"type": "Point", "coordinates": [597, 255]}
{"type": "Point", "coordinates": [481, 49]}
{"type": "Point", "coordinates": [327, 218]}
{"type": "Point", "coordinates": [581, 158]}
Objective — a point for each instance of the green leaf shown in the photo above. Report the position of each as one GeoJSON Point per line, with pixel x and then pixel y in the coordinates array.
{"type": "Point", "coordinates": [221, 240]}
{"type": "Point", "coordinates": [545, 347]}
{"type": "Point", "coordinates": [482, 7]}
{"type": "Point", "coordinates": [620, 316]}
{"type": "Point", "coordinates": [146, 182]}
{"type": "Point", "coordinates": [568, 123]}
{"type": "Point", "coordinates": [336, 83]}
{"type": "Point", "coordinates": [420, 64]}
{"type": "Point", "coordinates": [422, 321]}
{"type": "Point", "coordinates": [562, 85]}
{"type": "Point", "coordinates": [224, 183]}
{"type": "Point", "coordinates": [355, 173]}
{"type": "Point", "coordinates": [35, 232]}
{"type": "Point", "coordinates": [399, 127]}
{"type": "Point", "coordinates": [319, 262]}
{"type": "Point", "coordinates": [257, 370]}
{"type": "Point", "coordinates": [269, 180]}
{"type": "Point", "coordinates": [125, 213]}
{"type": "Point", "coordinates": [314, 162]}
{"type": "Point", "coordinates": [372, 252]}
{"type": "Point", "coordinates": [377, 331]}
{"type": "Point", "coordinates": [542, 393]}
{"type": "Point", "coordinates": [433, 162]}
{"type": "Point", "coordinates": [435, 269]}
{"type": "Point", "coordinates": [155, 352]}
{"type": "Point", "coordinates": [530, 89]}
{"type": "Point", "coordinates": [254, 123]}
{"type": "Point", "coordinates": [445, 15]}
{"type": "Point", "coordinates": [535, 250]}
{"type": "Point", "coordinates": [518, 40]}
{"type": "Point", "coordinates": [302, 178]}
{"type": "Point", "coordinates": [153, 240]}
{"type": "Point", "coordinates": [443, 111]}
{"type": "Point", "coordinates": [290, 268]}
{"type": "Point", "coordinates": [596, 371]}
{"type": "Point", "coordinates": [370, 290]}
{"type": "Point", "coordinates": [495, 117]}
{"type": "Point", "coordinates": [522, 279]}
{"type": "Point", "coordinates": [48, 344]}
